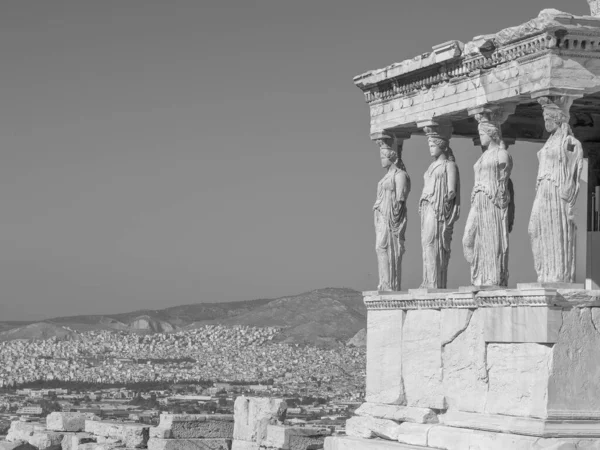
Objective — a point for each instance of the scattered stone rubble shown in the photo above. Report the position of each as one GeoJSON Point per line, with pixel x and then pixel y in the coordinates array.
{"type": "Point", "coordinates": [256, 425]}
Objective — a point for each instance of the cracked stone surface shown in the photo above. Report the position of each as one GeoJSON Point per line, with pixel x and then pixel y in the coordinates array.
{"type": "Point", "coordinates": [454, 322]}
{"type": "Point", "coordinates": [518, 379]}
{"type": "Point", "coordinates": [464, 367]}
{"type": "Point", "coordinates": [384, 357]}
{"type": "Point", "coordinates": [575, 375]}
{"type": "Point", "coordinates": [422, 359]}
{"type": "Point", "coordinates": [397, 413]}
{"type": "Point", "coordinates": [254, 415]}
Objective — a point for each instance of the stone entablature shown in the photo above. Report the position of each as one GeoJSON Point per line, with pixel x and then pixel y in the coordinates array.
{"type": "Point", "coordinates": [470, 297]}
{"type": "Point", "coordinates": [556, 52]}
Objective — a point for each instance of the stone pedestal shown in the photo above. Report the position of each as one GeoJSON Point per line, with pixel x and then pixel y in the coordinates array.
{"type": "Point", "coordinates": [491, 369]}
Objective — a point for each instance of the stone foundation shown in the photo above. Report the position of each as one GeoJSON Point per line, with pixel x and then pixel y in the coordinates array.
{"type": "Point", "coordinates": [480, 369]}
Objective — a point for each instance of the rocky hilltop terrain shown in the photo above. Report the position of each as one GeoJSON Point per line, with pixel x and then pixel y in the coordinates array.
{"type": "Point", "coordinates": [323, 317]}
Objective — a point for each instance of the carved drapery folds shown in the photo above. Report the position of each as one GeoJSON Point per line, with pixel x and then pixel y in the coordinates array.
{"type": "Point", "coordinates": [485, 241]}
{"type": "Point", "coordinates": [439, 205]}
{"type": "Point", "coordinates": [552, 227]}
{"type": "Point", "coordinates": [390, 212]}
{"type": "Point", "coordinates": [594, 7]}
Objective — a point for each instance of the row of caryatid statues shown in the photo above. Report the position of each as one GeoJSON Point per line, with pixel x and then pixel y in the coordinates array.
{"type": "Point", "coordinates": [552, 227]}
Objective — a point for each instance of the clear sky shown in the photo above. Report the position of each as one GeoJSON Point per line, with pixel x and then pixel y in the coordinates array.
{"type": "Point", "coordinates": [156, 153]}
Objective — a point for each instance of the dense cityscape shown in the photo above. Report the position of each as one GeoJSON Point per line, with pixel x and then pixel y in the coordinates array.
{"type": "Point", "coordinates": [247, 354]}
{"type": "Point", "coordinates": [123, 375]}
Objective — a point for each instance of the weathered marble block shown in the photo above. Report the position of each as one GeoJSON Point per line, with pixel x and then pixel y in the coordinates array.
{"type": "Point", "coordinates": [244, 445]}
{"type": "Point", "coordinates": [524, 324]}
{"type": "Point", "coordinates": [22, 431]}
{"type": "Point", "coordinates": [397, 413]}
{"type": "Point", "coordinates": [18, 445]}
{"type": "Point", "coordinates": [47, 440]}
{"type": "Point", "coordinates": [254, 415]}
{"type": "Point", "coordinates": [65, 421]}
{"type": "Point", "coordinates": [515, 369]}
{"type": "Point", "coordinates": [132, 435]}
{"type": "Point", "coordinates": [71, 441]}
{"type": "Point", "coordinates": [194, 426]}
{"type": "Point", "coordinates": [384, 364]}
{"type": "Point", "coordinates": [189, 444]}
{"type": "Point", "coordinates": [294, 438]}
{"type": "Point", "coordinates": [352, 443]}
{"type": "Point", "coordinates": [422, 359]}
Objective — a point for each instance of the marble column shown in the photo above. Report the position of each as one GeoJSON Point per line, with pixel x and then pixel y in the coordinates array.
{"type": "Point", "coordinates": [552, 226]}
{"type": "Point", "coordinates": [390, 212]}
{"type": "Point", "coordinates": [485, 241]}
{"type": "Point", "coordinates": [439, 205]}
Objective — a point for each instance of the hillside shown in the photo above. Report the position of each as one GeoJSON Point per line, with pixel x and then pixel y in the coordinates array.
{"type": "Point", "coordinates": [322, 317]}
{"type": "Point", "coordinates": [38, 330]}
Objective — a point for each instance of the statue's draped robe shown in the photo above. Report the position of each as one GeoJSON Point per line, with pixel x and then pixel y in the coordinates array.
{"type": "Point", "coordinates": [437, 223]}
{"type": "Point", "coordinates": [390, 228]}
{"type": "Point", "coordinates": [485, 241]}
{"type": "Point", "coordinates": [552, 228]}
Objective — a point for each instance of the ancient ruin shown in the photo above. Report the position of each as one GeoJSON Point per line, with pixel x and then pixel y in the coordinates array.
{"type": "Point", "coordinates": [484, 366]}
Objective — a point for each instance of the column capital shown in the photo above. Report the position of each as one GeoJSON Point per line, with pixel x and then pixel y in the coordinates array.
{"type": "Point", "coordinates": [440, 131]}
{"type": "Point", "coordinates": [493, 113]}
{"type": "Point", "coordinates": [558, 92]}
{"type": "Point", "coordinates": [383, 140]}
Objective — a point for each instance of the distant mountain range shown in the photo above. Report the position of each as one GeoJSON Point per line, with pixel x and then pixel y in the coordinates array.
{"type": "Point", "coordinates": [323, 317]}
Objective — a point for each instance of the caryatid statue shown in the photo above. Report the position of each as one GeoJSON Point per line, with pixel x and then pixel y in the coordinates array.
{"type": "Point", "coordinates": [390, 214]}
{"type": "Point", "coordinates": [485, 241]}
{"type": "Point", "coordinates": [439, 207]}
{"type": "Point", "coordinates": [552, 227]}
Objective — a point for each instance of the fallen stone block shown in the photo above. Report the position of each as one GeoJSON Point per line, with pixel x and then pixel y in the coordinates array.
{"type": "Point", "coordinates": [72, 440]}
{"type": "Point", "coordinates": [254, 415]}
{"type": "Point", "coordinates": [65, 421]}
{"type": "Point", "coordinates": [352, 443]}
{"type": "Point", "coordinates": [22, 431]}
{"type": "Point", "coordinates": [296, 438]}
{"type": "Point", "coordinates": [133, 435]}
{"type": "Point", "coordinates": [414, 433]}
{"type": "Point", "coordinates": [189, 444]}
{"type": "Point", "coordinates": [96, 446]}
{"type": "Point", "coordinates": [307, 442]}
{"type": "Point", "coordinates": [244, 445]}
{"type": "Point", "coordinates": [47, 440]}
{"type": "Point", "coordinates": [460, 438]}
{"type": "Point", "coordinates": [397, 413]}
{"type": "Point", "coordinates": [370, 427]}
{"type": "Point", "coordinates": [18, 445]}
{"type": "Point", "coordinates": [194, 426]}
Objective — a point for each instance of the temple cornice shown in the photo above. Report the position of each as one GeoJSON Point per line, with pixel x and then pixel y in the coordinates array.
{"type": "Point", "coordinates": [555, 50]}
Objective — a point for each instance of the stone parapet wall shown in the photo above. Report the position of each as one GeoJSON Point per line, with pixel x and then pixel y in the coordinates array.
{"type": "Point", "coordinates": [495, 375]}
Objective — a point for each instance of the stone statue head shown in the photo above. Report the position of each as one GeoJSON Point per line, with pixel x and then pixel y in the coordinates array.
{"type": "Point", "coordinates": [437, 146]}
{"type": "Point", "coordinates": [388, 156]}
{"type": "Point", "coordinates": [439, 141]}
{"type": "Point", "coordinates": [489, 130]}
{"type": "Point", "coordinates": [556, 112]}
{"type": "Point", "coordinates": [488, 133]}
{"type": "Point", "coordinates": [594, 7]}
